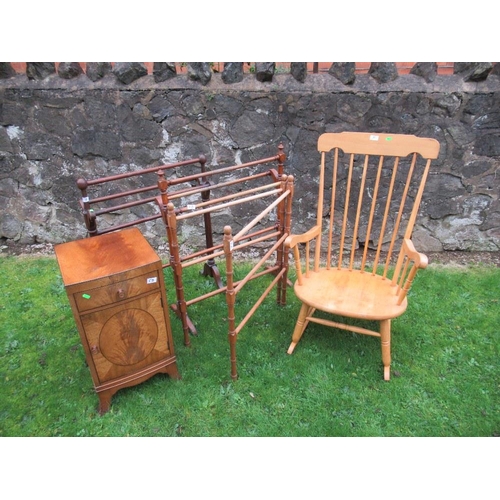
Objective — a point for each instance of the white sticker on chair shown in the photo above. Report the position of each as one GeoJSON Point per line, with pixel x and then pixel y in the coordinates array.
{"type": "Point", "coordinates": [373, 137]}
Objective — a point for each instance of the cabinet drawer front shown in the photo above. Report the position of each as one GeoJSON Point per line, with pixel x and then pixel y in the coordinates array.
{"type": "Point", "coordinates": [116, 292]}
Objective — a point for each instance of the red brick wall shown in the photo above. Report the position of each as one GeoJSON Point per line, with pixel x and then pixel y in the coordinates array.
{"type": "Point", "coordinates": [444, 68]}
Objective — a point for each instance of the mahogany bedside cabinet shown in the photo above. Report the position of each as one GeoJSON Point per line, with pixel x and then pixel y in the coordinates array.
{"type": "Point", "coordinates": [116, 289]}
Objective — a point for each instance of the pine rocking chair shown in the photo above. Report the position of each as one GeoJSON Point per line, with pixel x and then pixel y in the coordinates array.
{"type": "Point", "coordinates": [365, 265]}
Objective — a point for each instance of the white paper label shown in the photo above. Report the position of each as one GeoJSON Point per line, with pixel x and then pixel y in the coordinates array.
{"type": "Point", "coordinates": [231, 244]}
{"type": "Point", "coordinates": [85, 199]}
{"type": "Point", "coordinates": [191, 207]}
{"type": "Point", "coordinates": [150, 281]}
{"type": "Point", "coordinates": [374, 138]}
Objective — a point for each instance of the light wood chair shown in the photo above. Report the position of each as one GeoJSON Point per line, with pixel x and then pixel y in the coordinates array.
{"type": "Point", "coordinates": [359, 260]}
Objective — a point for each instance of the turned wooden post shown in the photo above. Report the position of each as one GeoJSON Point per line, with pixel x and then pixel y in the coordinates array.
{"type": "Point", "coordinates": [163, 187]}
{"type": "Point", "coordinates": [175, 262]}
{"type": "Point", "coordinates": [281, 228]}
{"type": "Point", "coordinates": [289, 185]}
{"type": "Point", "coordinates": [281, 159]}
{"type": "Point", "coordinates": [88, 213]}
{"type": "Point", "coordinates": [209, 268]}
{"type": "Point", "coordinates": [230, 299]}
{"type": "Point", "coordinates": [385, 338]}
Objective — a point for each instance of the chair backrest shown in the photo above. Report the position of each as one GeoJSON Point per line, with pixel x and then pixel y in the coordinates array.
{"type": "Point", "coordinates": [370, 189]}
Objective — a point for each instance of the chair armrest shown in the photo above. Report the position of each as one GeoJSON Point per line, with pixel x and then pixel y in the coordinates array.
{"type": "Point", "coordinates": [420, 259]}
{"type": "Point", "coordinates": [409, 262]}
{"type": "Point", "coordinates": [294, 239]}
{"type": "Point", "coordinates": [291, 243]}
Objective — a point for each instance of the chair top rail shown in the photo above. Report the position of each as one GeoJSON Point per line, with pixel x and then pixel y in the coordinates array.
{"type": "Point", "coordinates": [379, 144]}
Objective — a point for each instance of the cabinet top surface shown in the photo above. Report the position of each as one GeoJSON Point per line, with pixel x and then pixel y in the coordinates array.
{"type": "Point", "coordinates": [103, 255]}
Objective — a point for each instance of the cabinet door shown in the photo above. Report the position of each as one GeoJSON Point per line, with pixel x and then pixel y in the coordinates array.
{"type": "Point", "coordinates": [127, 337]}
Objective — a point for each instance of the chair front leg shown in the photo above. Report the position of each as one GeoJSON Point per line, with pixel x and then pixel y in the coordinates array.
{"type": "Point", "coordinates": [300, 326]}
{"type": "Point", "coordinates": [385, 337]}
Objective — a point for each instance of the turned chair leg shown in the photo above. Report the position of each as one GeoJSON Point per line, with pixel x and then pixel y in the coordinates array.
{"type": "Point", "coordinates": [300, 326]}
{"type": "Point", "coordinates": [385, 337]}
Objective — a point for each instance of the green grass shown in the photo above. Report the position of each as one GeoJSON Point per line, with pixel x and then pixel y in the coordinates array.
{"type": "Point", "coordinates": [445, 366]}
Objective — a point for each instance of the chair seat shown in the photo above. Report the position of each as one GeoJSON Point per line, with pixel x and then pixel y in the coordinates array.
{"type": "Point", "coordinates": [350, 293]}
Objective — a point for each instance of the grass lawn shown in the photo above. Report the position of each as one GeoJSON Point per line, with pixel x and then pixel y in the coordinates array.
{"type": "Point", "coordinates": [445, 370]}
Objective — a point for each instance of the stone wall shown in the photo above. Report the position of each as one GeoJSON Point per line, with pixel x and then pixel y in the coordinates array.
{"type": "Point", "coordinates": [56, 127]}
